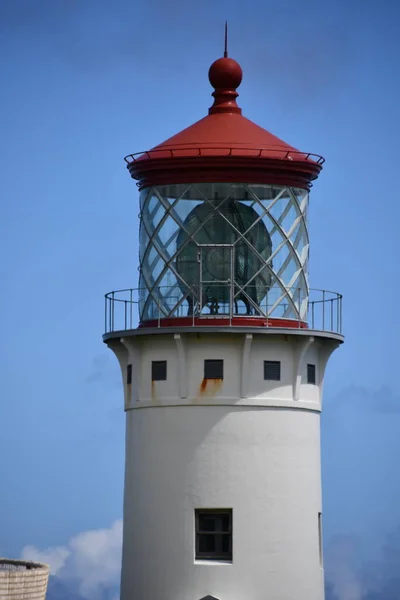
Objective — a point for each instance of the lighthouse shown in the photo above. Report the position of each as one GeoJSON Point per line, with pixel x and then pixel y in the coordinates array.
{"type": "Point", "coordinates": [223, 347]}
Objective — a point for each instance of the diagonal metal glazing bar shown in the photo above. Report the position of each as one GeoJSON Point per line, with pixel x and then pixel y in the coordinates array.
{"type": "Point", "coordinates": [285, 212]}
{"type": "Point", "coordinates": [147, 269]}
{"type": "Point", "coordinates": [182, 226]}
{"type": "Point", "coordinates": [168, 209]}
{"type": "Point", "coordinates": [151, 215]}
{"type": "Point", "coordinates": [302, 230]}
{"type": "Point", "coordinates": [241, 236]}
{"type": "Point", "coordinates": [157, 259]}
{"type": "Point", "coordinates": [301, 209]}
{"type": "Point", "coordinates": [270, 259]}
{"type": "Point", "coordinates": [284, 236]}
{"type": "Point", "coordinates": [165, 257]}
{"type": "Point", "coordinates": [182, 300]}
{"type": "Point", "coordinates": [190, 239]}
{"type": "Point", "coordinates": [296, 295]}
{"type": "Point", "coordinates": [277, 226]}
{"type": "Point", "coordinates": [260, 257]}
{"type": "Point", "coordinates": [153, 238]}
{"type": "Point", "coordinates": [275, 275]}
{"type": "Point", "coordinates": [288, 296]}
{"type": "Point", "coordinates": [149, 281]}
{"type": "Point", "coordinates": [265, 210]}
{"type": "Point", "coordinates": [243, 292]}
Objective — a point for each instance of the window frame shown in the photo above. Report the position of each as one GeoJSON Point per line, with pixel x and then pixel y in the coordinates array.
{"type": "Point", "coordinates": [311, 367]}
{"type": "Point", "coordinates": [217, 555]}
{"type": "Point", "coordinates": [274, 363]}
{"type": "Point", "coordinates": [155, 364]}
{"type": "Point", "coordinates": [207, 362]}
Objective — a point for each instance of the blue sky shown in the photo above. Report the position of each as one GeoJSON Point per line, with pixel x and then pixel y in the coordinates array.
{"type": "Point", "coordinates": [85, 83]}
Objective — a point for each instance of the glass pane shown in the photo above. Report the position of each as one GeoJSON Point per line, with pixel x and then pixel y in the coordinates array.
{"type": "Point", "coordinates": [207, 523]}
{"type": "Point", "coordinates": [226, 520]}
{"type": "Point", "coordinates": [226, 543]}
{"type": "Point", "coordinates": [183, 232]}
{"type": "Point", "coordinates": [206, 543]}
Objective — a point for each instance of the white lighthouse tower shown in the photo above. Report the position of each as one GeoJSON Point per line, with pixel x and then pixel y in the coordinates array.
{"type": "Point", "coordinates": [223, 348]}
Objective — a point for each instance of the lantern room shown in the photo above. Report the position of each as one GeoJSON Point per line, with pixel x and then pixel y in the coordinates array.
{"type": "Point", "coordinates": [223, 221]}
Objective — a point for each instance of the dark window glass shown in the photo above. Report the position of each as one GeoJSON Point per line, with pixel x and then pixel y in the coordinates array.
{"type": "Point", "coordinates": [320, 539]}
{"type": "Point", "coordinates": [206, 522]}
{"type": "Point", "coordinates": [206, 544]}
{"type": "Point", "coordinates": [272, 370]}
{"type": "Point", "coordinates": [129, 374]}
{"type": "Point", "coordinates": [159, 370]}
{"type": "Point", "coordinates": [310, 373]}
{"type": "Point", "coordinates": [213, 534]}
{"type": "Point", "coordinates": [213, 369]}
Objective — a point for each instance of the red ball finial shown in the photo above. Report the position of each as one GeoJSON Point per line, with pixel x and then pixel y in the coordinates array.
{"type": "Point", "coordinates": [225, 75]}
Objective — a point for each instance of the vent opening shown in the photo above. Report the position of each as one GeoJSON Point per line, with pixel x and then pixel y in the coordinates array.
{"type": "Point", "coordinates": [159, 370]}
{"type": "Point", "coordinates": [311, 378]}
{"type": "Point", "coordinates": [213, 369]}
{"type": "Point", "coordinates": [129, 374]}
{"type": "Point", "coordinates": [272, 370]}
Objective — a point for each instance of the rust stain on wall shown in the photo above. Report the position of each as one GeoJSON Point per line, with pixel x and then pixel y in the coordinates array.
{"type": "Point", "coordinates": [153, 390]}
{"type": "Point", "coordinates": [210, 387]}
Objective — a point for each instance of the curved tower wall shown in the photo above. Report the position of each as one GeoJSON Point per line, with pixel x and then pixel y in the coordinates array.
{"type": "Point", "coordinates": [240, 443]}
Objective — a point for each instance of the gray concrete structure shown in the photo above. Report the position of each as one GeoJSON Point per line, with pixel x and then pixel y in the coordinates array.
{"type": "Point", "coordinates": [23, 580]}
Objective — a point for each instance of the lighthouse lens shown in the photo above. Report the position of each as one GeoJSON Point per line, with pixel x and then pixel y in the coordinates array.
{"type": "Point", "coordinates": [227, 240]}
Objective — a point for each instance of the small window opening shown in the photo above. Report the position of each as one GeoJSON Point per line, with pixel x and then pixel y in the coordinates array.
{"type": "Point", "coordinates": [311, 374]}
{"type": "Point", "coordinates": [272, 370]}
{"type": "Point", "coordinates": [213, 369]}
{"type": "Point", "coordinates": [129, 374]}
{"type": "Point", "coordinates": [159, 370]}
{"type": "Point", "coordinates": [320, 549]}
{"type": "Point", "coordinates": [213, 534]}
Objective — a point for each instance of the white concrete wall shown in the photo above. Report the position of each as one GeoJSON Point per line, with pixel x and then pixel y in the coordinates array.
{"type": "Point", "coordinates": [243, 443]}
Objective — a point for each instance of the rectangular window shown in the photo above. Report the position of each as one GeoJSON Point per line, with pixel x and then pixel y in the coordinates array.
{"type": "Point", "coordinates": [213, 369]}
{"type": "Point", "coordinates": [272, 370]}
{"type": "Point", "coordinates": [159, 370]}
{"type": "Point", "coordinates": [311, 374]}
{"type": "Point", "coordinates": [129, 374]}
{"type": "Point", "coordinates": [213, 534]}
{"type": "Point", "coordinates": [320, 549]}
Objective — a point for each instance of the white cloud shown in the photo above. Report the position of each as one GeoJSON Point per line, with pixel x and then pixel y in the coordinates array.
{"type": "Point", "coordinates": [91, 560]}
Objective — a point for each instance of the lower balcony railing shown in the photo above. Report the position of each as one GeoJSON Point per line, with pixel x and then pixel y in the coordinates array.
{"type": "Point", "coordinates": [124, 310]}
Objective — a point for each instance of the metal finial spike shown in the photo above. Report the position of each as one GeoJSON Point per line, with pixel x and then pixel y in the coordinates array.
{"type": "Point", "coordinates": [226, 40]}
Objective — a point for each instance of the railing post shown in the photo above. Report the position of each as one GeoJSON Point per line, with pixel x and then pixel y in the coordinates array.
{"type": "Point", "coordinates": [130, 309]}
{"type": "Point", "coordinates": [323, 310]}
{"type": "Point", "coordinates": [337, 314]}
{"type": "Point", "coordinates": [331, 314]}
{"type": "Point", "coordinates": [112, 311]}
{"type": "Point", "coordinates": [125, 314]}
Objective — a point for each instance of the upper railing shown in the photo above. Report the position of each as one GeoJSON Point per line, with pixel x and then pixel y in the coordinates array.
{"type": "Point", "coordinates": [324, 313]}
{"type": "Point", "coordinates": [177, 152]}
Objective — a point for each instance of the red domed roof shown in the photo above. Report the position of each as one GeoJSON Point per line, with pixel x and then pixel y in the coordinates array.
{"type": "Point", "coordinates": [224, 146]}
